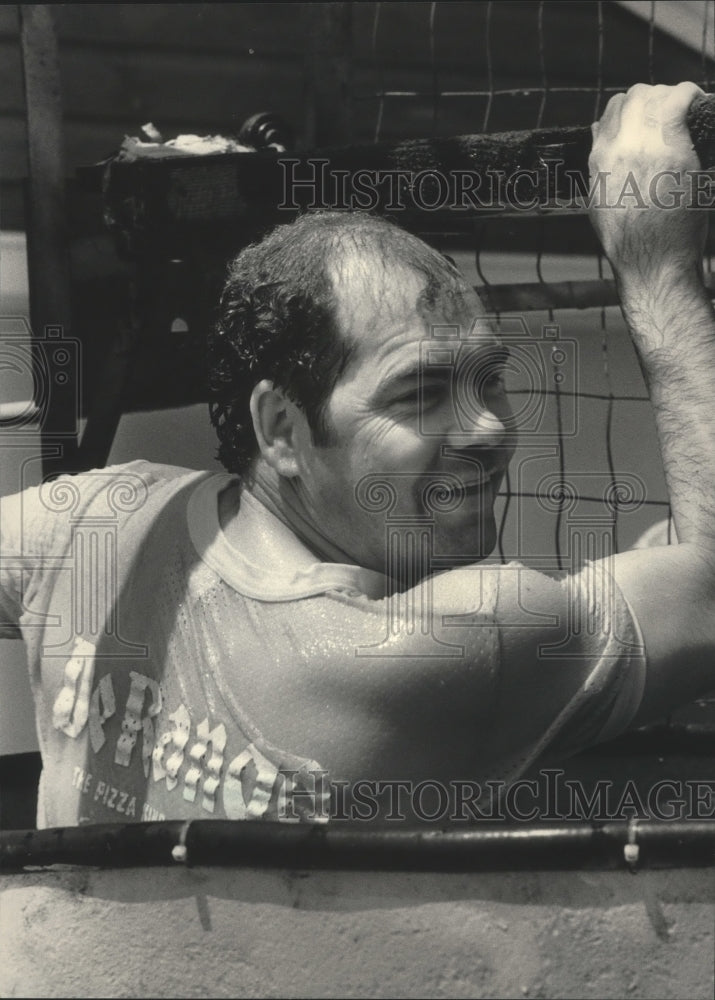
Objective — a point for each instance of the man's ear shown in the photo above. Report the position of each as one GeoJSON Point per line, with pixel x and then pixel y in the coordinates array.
{"type": "Point", "coordinates": [274, 418]}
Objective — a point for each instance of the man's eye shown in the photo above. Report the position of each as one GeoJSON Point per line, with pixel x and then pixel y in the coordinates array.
{"type": "Point", "coordinates": [431, 393]}
{"type": "Point", "coordinates": [424, 394]}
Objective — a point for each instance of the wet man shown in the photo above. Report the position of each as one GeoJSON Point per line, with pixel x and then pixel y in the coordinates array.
{"type": "Point", "coordinates": [286, 630]}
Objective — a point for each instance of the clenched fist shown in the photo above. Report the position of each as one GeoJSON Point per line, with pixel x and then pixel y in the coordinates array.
{"type": "Point", "coordinates": [648, 186]}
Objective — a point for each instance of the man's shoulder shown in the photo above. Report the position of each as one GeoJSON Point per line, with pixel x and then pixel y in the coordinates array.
{"type": "Point", "coordinates": [139, 470]}
{"type": "Point", "coordinates": [41, 516]}
{"type": "Point", "coordinates": [119, 492]}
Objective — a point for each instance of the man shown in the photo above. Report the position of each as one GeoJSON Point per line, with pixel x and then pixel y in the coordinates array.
{"type": "Point", "coordinates": [263, 644]}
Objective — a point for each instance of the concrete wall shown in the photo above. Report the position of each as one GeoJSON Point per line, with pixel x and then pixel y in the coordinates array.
{"type": "Point", "coordinates": [204, 932]}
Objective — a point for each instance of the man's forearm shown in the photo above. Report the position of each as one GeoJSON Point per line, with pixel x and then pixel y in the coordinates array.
{"type": "Point", "coordinates": [672, 323]}
{"type": "Point", "coordinates": [656, 254]}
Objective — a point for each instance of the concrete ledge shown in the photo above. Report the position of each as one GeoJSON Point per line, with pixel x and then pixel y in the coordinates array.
{"type": "Point", "coordinates": [221, 932]}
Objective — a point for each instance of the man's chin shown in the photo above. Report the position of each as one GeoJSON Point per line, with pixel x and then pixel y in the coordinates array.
{"type": "Point", "coordinates": [468, 545]}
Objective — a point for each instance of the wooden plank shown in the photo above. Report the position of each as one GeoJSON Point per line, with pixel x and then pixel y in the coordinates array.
{"type": "Point", "coordinates": [180, 93]}
{"type": "Point", "coordinates": [9, 20]}
{"type": "Point", "coordinates": [328, 73]}
{"type": "Point", "coordinates": [403, 39]}
{"type": "Point", "coordinates": [198, 92]}
{"type": "Point", "coordinates": [128, 82]}
{"type": "Point", "coordinates": [47, 252]}
{"type": "Point", "coordinates": [12, 97]}
{"type": "Point", "coordinates": [209, 27]}
{"type": "Point", "coordinates": [201, 94]}
{"type": "Point", "coordinates": [232, 30]}
{"type": "Point", "coordinates": [84, 143]}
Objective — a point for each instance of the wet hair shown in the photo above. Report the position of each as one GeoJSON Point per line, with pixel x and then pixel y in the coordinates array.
{"type": "Point", "coordinates": [278, 318]}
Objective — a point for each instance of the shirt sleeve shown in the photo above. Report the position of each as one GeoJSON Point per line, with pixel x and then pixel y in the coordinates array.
{"type": "Point", "coordinates": [15, 559]}
{"type": "Point", "coordinates": [598, 692]}
{"type": "Point", "coordinates": [36, 524]}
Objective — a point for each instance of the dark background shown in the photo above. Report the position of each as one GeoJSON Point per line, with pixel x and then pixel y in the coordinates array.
{"type": "Point", "coordinates": [205, 68]}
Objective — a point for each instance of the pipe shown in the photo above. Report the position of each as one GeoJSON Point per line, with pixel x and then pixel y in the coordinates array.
{"type": "Point", "coordinates": [587, 846]}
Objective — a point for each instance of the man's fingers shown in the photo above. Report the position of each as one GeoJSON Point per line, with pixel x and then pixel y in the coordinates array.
{"type": "Point", "coordinates": [650, 118]}
{"type": "Point", "coordinates": [659, 106]}
{"type": "Point", "coordinates": [674, 127]}
{"type": "Point", "coordinates": [608, 125]}
{"type": "Point", "coordinates": [668, 106]}
{"type": "Point", "coordinates": [674, 102]}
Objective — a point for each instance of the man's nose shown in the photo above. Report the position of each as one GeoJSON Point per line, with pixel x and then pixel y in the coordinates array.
{"type": "Point", "coordinates": [481, 428]}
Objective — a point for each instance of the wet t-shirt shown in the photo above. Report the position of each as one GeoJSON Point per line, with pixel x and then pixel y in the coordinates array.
{"type": "Point", "coordinates": [142, 623]}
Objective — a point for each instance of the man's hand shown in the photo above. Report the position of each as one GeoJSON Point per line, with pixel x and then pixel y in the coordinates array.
{"type": "Point", "coordinates": [644, 153]}
{"type": "Point", "coordinates": [642, 164]}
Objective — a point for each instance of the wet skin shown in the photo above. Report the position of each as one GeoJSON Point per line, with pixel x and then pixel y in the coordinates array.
{"type": "Point", "coordinates": [418, 424]}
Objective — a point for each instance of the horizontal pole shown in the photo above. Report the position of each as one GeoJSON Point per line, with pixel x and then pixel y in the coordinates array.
{"type": "Point", "coordinates": [327, 846]}
{"type": "Point", "coordinates": [544, 295]}
{"type": "Point", "coordinates": [540, 295]}
{"type": "Point", "coordinates": [421, 183]}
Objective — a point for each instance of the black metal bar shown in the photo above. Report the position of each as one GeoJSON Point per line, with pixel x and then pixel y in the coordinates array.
{"type": "Point", "coordinates": [303, 846]}
{"type": "Point", "coordinates": [540, 296]}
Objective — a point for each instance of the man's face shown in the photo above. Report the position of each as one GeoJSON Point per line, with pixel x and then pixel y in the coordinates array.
{"type": "Point", "coordinates": [421, 408]}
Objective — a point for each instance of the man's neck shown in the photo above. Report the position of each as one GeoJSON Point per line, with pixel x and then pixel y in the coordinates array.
{"type": "Point", "coordinates": [279, 497]}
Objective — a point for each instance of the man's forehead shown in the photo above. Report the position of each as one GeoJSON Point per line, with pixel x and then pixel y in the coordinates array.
{"type": "Point", "coordinates": [380, 302]}
{"type": "Point", "coordinates": [370, 288]}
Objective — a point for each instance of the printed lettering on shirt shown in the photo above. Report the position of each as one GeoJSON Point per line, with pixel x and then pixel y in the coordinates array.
{"type": "Point", "coordinates": [101, 707]}
{"type": "Point", "coordinates": [81, 779]}
{"type": "Point", "coordinates": [168, 754]}
{"type": "Point", "coordinates": [115, 798]}
{"type": "Point", "coordinates": [109, 795]}
{"type": "Point", "coordinates": [71, 708]}
{"type": "Point", "coordinates": [135, 719]}
{"type": "Point", "coordinates": [209, 770]}
{"type": "Point", "coordinates": [151, 815]}
{"type": "Point", "coordinates": [252, 771]}
{"type": "Point", "coordinates": [186, 756]}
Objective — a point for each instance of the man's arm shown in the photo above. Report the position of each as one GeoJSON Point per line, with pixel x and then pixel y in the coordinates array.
{"type": "Point", "coordinates": [656, 257]}
{"type": "Point", "coordinates": [543, 665]}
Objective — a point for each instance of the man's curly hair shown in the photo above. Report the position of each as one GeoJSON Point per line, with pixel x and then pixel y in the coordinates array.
{"type": "Point", "coordinates": [278, 319]}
